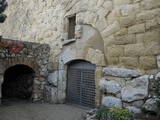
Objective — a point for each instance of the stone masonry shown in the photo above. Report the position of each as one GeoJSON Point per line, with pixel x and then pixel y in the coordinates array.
{"type": "Point", "coordinates": [35, 56]}
{"type": "Point", "coordinates": [128, 88]}
{"type": "Point", "coordinates": [123, 35]}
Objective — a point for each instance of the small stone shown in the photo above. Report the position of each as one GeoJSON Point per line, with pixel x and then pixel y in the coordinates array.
{"type": "Point", "coordinates": [112, 101]}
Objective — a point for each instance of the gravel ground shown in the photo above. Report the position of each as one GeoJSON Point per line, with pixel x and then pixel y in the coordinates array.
{"type": "Point", "coordinates": [41, 111]}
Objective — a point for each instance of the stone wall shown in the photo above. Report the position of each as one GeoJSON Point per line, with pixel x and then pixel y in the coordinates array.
{"type": "Point", "coordinates": [33, 55]}
{"type": "Point", "coordinates": [127, 36]}
{"type": "Point", "coordinates": [128, 88]}
{"type": "Point", "coordinates": [129, 28]}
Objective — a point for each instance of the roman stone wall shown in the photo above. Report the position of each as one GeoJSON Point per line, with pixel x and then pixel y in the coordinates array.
{"type": "Point", "coordinates": [127, 36]}
{"type": "Point", "coordinates": [129, 28]}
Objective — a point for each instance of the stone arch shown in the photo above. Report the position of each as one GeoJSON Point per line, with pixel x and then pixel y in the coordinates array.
{"type": "Point", "coordinates": [18, 82]}
{"type": "Point", "coordinates": [23, 61]}
{"type": "Point", "coordinates": [90, 47]}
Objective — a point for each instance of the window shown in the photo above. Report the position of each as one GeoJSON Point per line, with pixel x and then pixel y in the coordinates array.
{"type": "Point", "coordinates": [71, 30]}
{"type": "Point", "coordinates": [72, 24]}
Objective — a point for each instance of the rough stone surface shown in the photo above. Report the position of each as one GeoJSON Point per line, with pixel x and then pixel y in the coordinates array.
{"type": "Point", "coordinates": [138, 103]}
{"type": "Point", "coordinates": [150, 105]}
{"type": "Point", "coordinates": [158, 61]}
{"type": "Point", "coordinates": [33, 55]}
{"type": "Point", "coordinates": [120, 72]}
{"type": "Point", "coordinates": [136, 90]}
{"type": "Point", "coordinates": [134, 109]}
{"type": "Point", "coordinates": [109, 86]}
{"type": "Point", "coordinates": [157, 76]}
{"type": "Point", "coordinates": [53, 78]}
{"type": "Point", "coordinates": [111, 101]}
{"type": "Point", "coordinates": [127, 33]}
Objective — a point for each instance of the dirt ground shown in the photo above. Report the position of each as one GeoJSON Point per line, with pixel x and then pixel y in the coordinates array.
{"type": "Point", "coordinates": [41, 111]}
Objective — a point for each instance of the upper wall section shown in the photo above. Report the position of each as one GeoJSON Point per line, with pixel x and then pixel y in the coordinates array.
{"type": "Point", "coordinates": [130, 28]}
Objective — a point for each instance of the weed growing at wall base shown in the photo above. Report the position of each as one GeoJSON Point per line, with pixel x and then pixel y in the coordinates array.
{"type": "Point", "coordinates": [113, 113]}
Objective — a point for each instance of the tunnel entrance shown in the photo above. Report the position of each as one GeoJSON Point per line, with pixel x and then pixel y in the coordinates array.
{"type": "Point", "coordinates": [18, 83]}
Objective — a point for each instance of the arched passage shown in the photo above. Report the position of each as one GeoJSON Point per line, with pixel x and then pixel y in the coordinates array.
{"type": "Point", "coordinates": [81, 83]}
{"type": "Point", "coordinates": [18, 82]}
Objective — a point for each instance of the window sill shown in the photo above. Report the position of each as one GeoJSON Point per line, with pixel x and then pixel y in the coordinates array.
{"type": "Point", "coordinates": [65, 42]}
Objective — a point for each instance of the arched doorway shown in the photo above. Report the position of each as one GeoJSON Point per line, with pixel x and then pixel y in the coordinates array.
{"type": "Point", "coordinates": [18, 83]}
{"type": "Point", "coordinates": [81, 84]}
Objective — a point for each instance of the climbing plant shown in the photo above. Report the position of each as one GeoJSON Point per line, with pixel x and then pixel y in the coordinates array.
{"type": "Point", "coordinates": [11, 46]}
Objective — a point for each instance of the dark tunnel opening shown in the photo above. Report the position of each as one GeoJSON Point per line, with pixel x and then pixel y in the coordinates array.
{"type": "Point", "coordinates": [18, 82]}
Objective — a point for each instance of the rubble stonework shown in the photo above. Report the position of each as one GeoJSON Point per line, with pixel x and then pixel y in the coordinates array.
{"type": "Point", "coordinates": [35, 56]}
{"type": "Point", "coordinates": [135, 92]}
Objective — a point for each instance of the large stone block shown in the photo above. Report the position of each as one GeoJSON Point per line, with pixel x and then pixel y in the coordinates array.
{"type": "Point", "coordinates": [121, 81]}
{"type": "Point", "coordinates": [121, 2]}
{"type": "Point", "coordinates": [127, 10]}
{"type": "Point", "coordinates": [136, 90]}
{"type": "Point", "coordinates": [152, 48]}
{"type": "Point", "coordinates": [115, 51]}
{"type": "Point", "coordinates": [120, 72]}
{"type": "Point", "coordinates": [129, 62]}
{"type": "Point", "coordinates": [114, 15]}
{"type": "Point", "coordinates": [139, 28]}
{"type": "Point", "coordinates": [109, 86]}
{"type": "Point", "coordinates": [127, 21]}
{"type": "Point", "coordinates": [126, 39]}
{"type": "Point", "coordinates": [53, 78]}
{"type": "Point", "coordinates": [113, 60]}
{"type": "Point", "coordinates": [151, 24]}
{"type": "Point", "coordinates": [111, 29]}
{"type": "Point", "coordinates": [150, 105]}
{"type": "Point", "coordinates": [134, 49]}
{"type": "Point", "coordinates": [148, 15]}
{"type": "Point", "coordinates": [147, 63]}
{"type": "Point", "coordinates": [120, 40]}
{"type": "Point", "coordinates": [98, 75]}
{"type": "Point", "coordinates": [148, 36]}
{"type": "Point", "coordinates": [98, 98]}
{"type": "Point", "coordinates": [108, 5]}
{"type": "Point", "coordinates": [101, 24]}
{"type": "Point", "coordinates": [150, 4]}
{"type": "Point", "coordinates": [158, 61]}
{"type": "Point", "coordinates": [122, 32]}
{"type": "Point", "coordinates": [111, 101]}
{"type": "Point", "coordinates": [109, 41]}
